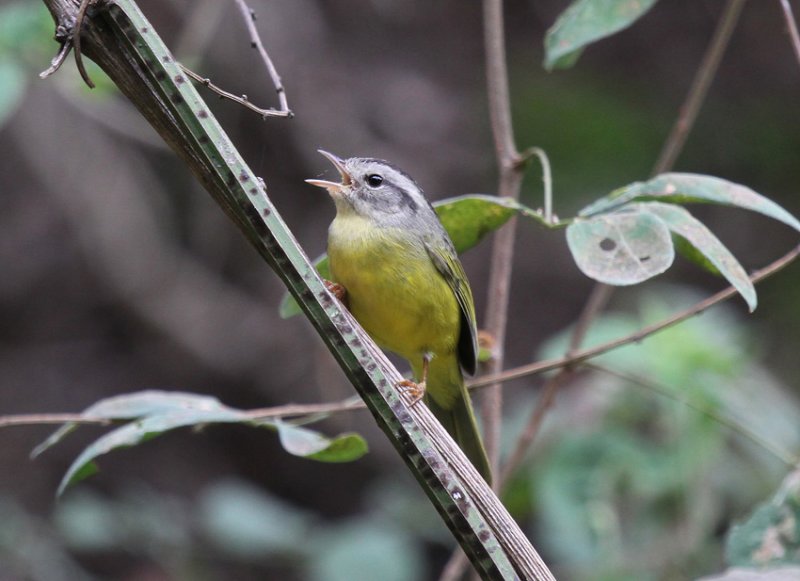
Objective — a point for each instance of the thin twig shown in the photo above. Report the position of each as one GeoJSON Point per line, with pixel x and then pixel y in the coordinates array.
{"type": "Point", "coordinates": [731, 423]}
{"type": "Point", "coordinates": [284, 411]}
{"type": "Point", "coordinates": [76, 41]}
{"type": "Point", "coordinates": [583, 355]}
{"type": "Point", "coordinates": [791, 25]}
{"type": "Point", "coordinates": [510, 181]}
{"type": "Point", "coordinates": [249, 17]}
{"type": "Point", "coordinates": [61, 56]}
{"type": "Point", "coordinates": [264, 113]}
{"type": "Point", "coordinates": [699, 88]}
{"type": "Point", "coordinates": [45, 419]}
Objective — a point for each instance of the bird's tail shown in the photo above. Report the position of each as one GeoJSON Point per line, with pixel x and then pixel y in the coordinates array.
{"type": "Point", "coordinates": [448, 399]}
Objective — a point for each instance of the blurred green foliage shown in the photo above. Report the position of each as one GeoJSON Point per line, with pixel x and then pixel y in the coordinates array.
{"type": "Point", "coordinates": [645, 476]}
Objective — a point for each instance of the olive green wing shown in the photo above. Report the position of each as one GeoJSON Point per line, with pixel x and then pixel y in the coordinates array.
{"type": "Point", "coordinates": [446, 261]}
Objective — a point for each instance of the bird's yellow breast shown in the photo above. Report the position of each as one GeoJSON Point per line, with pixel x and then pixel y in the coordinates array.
{"type": "Point", "coordinates": [393, 288]}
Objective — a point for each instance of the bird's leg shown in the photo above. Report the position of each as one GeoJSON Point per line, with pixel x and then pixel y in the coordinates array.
{"type": "Point", "coordinates": [336, 290]}
{"type": "Point", "coordinates": [415, 391]}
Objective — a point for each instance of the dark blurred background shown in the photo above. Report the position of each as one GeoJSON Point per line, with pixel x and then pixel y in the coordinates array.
{"type": "Point", "coordinates": [118, 273]}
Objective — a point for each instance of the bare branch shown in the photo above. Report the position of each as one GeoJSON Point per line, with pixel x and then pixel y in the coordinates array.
{"type": "Point", "coordinates": [583, 355]}
{"type": "Point", "coordinates": [249, 17]}
{"type": "Point", "coordinates": [264, 113]}
{"type": "Point", "coordinates": [284, 411]}
{"type": "Point", "coordinates": [510, 181]}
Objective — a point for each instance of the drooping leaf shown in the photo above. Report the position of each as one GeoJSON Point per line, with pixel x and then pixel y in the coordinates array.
{"type": "Point", "coordinates": [586, 21]}
{"type": "Point", "coordinates": [309, 444]}
{"type": "Point", "coordinates": [136, 432]}
{"type": "Point", "coordinates": [621, 248]}
{"type": "Point", "coordinates": [771, 535]}
{"type": "Point", "coordinates": [682, 223]}
{"type": "Point", "coordinates": [151, 413]}
{"type": "Point", "coordinates": [136, 405]}
{"type": "Point", "coordinates": [467, 219]}
{"type": "Point", "coordinates": [685, 188]}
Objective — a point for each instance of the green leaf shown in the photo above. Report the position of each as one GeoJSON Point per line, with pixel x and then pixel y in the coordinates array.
{"type": "Point", "coordinates": [683, 224]}
{"type": "Point", "coordinates": [309, 444]}
{"type": "Point", "coordinates": [771, 574]}
{"type": "Point", "coordinates": [586, 21]}
{"type": "Point", "coordinates": [771, 535]}
{"type": "Point", "coordinates": [136, 405]}
{"type": "Point", "coordinates": [153, 412]}
{"type": "Point", "coordinates": [686, 188]}
{"type": "Point", "coordinates": [137, 432]}
{"type": "Point", "coordinates": [467, 219]}
{"type": "Point", "coordinates": [621, 248]}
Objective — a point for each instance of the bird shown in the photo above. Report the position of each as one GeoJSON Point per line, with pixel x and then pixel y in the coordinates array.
{"type": "Point", "coordinates": [405, 285]}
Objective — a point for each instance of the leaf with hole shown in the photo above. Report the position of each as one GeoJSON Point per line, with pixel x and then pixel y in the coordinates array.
{"type": "Point", "coordinates": [586, 21]}
{"type": "Point", "coordinates": [692, 188]}
{"type": "Point", "coordinates": [621, 248]}
{"type": "Point", "coordinates": [683, 224]}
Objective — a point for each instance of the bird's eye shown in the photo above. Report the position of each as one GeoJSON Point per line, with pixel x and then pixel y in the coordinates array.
{"type": "Point", "coordinates": [373, 180]}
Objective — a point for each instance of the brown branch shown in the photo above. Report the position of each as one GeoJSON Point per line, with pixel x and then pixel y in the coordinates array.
{"type": "Point", "coordinates": [699, 88]}
{"type": "Point", "coordinates": [791, 26]}
{"type": "Point", "coordinates": [249, 17]}
{"type": "Point", "coordinates": [264, 113]}
{"type": "Point", "coordinates": [284, 411]}
{"type": "Point", "coordinates": [583, 355]}
{"type": "Point", "coordinates": [510, 181]}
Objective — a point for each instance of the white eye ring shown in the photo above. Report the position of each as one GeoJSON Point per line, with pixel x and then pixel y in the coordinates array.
{"type": "Point", "coordinates": [373, 180]}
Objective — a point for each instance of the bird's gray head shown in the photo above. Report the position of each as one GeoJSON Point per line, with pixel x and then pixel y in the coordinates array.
{"type": "Point", "coordinates": [375, 189]}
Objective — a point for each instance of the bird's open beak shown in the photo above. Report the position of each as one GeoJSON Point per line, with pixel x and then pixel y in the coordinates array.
{"type": "Point", "coordinates": [339, 165]}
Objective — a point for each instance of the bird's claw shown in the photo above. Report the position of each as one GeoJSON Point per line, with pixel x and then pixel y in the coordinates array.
{"type": "Point", "coordinates": [336, 290]}
{"type": "Point", "coordinates": [411, 391]}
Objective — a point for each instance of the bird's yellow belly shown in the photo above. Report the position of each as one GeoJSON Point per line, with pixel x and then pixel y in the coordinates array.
{"type": "Point", "coordinates": [394, 290]}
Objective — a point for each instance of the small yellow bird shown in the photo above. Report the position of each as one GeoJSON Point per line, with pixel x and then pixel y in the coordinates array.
{"type": "Point", "coordinates": [405, 285]}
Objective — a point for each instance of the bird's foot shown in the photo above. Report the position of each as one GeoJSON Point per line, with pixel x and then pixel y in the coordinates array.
{"type": "Point", "coordinates": [336, 290]}
{"type": "Point", "coordinates": [411, 391]}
